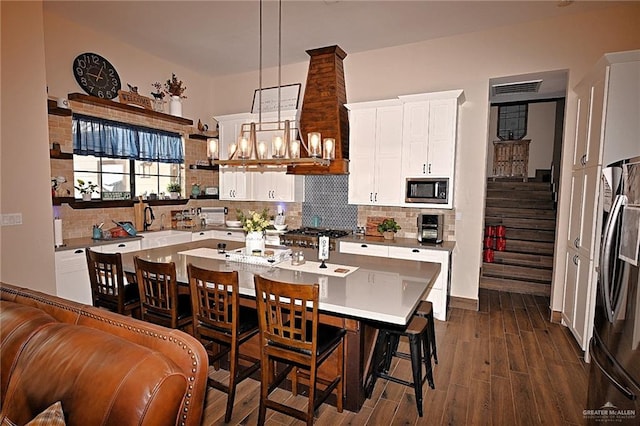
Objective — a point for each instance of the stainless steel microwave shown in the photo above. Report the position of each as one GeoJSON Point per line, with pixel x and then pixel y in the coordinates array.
{"type": "Point", "coordinates": [427, 190]}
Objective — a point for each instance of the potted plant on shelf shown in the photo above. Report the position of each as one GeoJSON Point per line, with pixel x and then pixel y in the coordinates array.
{"type": "Point", "coordinates": [175, 89]}
{"type": "Point", "coordinates": [388, 228]}
{"type": "Point", "coordinates": [174, 189]}
{"type": "Point", "coordinates": [86, 189]}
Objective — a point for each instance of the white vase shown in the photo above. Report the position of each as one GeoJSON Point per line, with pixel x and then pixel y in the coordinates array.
{"type": "Point", "coordinates": [86, 197]}
{"type": "Point", "coordinates": [175, 106]}
{"type": "Point", "coordinates": [254, 241]}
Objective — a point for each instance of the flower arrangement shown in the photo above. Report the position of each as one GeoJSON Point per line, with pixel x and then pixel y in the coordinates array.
{"type": "Point", "coordinates": [254, 221]}
{"type": "Point", "coordinates": [158, 94]}
{"type": "Point", "coordinates": [86, 187]}
{"type": "Point", "coordinates": [175, 87]}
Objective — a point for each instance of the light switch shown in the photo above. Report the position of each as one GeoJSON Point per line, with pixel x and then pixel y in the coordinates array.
{"type": "Point", "coordinates": [11, 219]}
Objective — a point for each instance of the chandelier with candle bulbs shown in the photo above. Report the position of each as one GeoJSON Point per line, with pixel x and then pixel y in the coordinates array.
{"type": "Point", "coordinates": [284, 149]}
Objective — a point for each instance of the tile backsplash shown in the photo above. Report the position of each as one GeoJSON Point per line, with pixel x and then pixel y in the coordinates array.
{"type": "Point", "coordinates": [326, 198]}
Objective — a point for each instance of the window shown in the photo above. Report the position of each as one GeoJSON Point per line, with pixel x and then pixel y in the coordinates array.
{"type": "Point", "coordinates": [125, 161]}
{"type": "Point", "coordinates": [512, 121]}
{"type": "Point", "coordinates": [119, 179]}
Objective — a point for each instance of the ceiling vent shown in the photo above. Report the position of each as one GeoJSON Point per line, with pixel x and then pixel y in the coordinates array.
{"type": "Point", "coordinates": [532, 86]}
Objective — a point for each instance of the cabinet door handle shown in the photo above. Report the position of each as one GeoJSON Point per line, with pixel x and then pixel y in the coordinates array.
{"type": "Point", "coordinates": [583, 159]}
{"type": "Point", "coordinates": [575, 259]}
{"type": "Point", "coordinates": [202, 233]}
{"type": "Point", "coordinates": [415, 251]}
{"type": "Point", "coordinates": [364, 245]}
{"type": "Point", "coordinates": [576, 242]}
{"type": "Point", "coordinates": [375, 197]}
{"type": "Point", "coordinates": [371, 196]}
{"type": "Point", "coordinates": [229, 233]}
{"type": "Point", "coordinates": [429, 168]}
{"type": "Point", "coordinates": [424, 168]}
{"type": "Point", "coordinates": [78, 251]}
{"type": "Point", "coordinates": [122, 245]}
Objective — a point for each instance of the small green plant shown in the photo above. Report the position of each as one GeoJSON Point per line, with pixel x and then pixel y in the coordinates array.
{"type": "Point", "coordinates": [174, 187]}
{"type": "Point", "coordinates": [86, 187]}
{"type": "Point", "coordinates": [388, 225]}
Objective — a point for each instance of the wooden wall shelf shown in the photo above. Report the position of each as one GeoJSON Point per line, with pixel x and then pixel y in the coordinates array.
{"type": "Point", "coordinates": [60, 155]}
{"type": "Point", "coordinates": [53, 109]}
{"type": "Point", "coordinates": [203, 136]}
{"type": "Point", "coordinates": [92, 100]}
{"type": "Point", "coordinates": [204, 167]}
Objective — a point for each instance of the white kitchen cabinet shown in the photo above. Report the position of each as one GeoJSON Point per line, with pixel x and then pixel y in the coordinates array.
{"type": "Point", "coordinates": [201, 235]}
{"type": "Point", "coordinates": [164, 238]}
{"type": "Point", "coordinates": [578, 296]}
{"type": "Point", "coordinates": [375, 151]}
{"type": "Point", "coordinates": [606, 130]}
{"type": "Point", "coordinates": [364, 249]}
{"type": "Point", "coordinates": [437, 295]}
{"type": "Point", "coordinates": [429, 135]}
{"type": "Point", "coordinates": [119, 247]}
{"type": "Point", "coordinates": [228, 235]}
{"type": "Point", "coordinates": [235, 183]}
{"type": "Point", "coordinates": [72, 276]}
{"type": "Point", "coordinates": [277, 186]}
{"type": "Point", "coordinates": [440, 290]}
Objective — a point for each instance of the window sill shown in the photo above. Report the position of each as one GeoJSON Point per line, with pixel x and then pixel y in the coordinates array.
{"type": "Point", "coordinates": [100, 204]}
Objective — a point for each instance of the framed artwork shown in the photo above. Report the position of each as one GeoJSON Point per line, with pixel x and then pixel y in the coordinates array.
{"type": "Point", "coordinates": [289, 97]}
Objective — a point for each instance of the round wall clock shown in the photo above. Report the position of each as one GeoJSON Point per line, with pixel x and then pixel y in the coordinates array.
{"type": "Point", "coordinates": [96, 75]}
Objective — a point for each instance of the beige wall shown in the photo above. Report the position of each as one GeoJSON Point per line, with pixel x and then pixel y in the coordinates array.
{"type": "Point", "coordinates": [461, 62]}
{"type": "Point", "coordinates": [27, 249]}
{"type": "Point", "coordinates": [540, 130]}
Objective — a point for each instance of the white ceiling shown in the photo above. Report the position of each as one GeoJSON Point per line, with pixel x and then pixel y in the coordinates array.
{"type": "Point", "coordinates": [222, 37]}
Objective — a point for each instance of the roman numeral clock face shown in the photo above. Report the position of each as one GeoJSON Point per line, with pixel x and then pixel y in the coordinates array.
{"type": "Point", "coordinates": [96, 75]}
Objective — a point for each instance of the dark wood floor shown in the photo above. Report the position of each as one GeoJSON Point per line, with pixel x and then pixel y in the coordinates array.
{"type": "Point", "coordinates": [503, 365]}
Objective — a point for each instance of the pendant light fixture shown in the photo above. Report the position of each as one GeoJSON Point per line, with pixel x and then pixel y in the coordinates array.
{"type": "Point", "coordinates": [284, 149]}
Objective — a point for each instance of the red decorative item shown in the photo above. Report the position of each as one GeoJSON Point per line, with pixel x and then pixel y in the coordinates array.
{"type": "Point", "coordinates": [490, 231]}
{"type": "Point", "coordinates": [489, 242]}
{"type": "Point", "coordinates": [501, 244]}
{"type": "Point", "coordinates": [500, 231]}
{"type": "Point", "coordinates": [487, 256]}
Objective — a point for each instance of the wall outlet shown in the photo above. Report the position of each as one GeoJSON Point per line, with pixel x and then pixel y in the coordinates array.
{"type": "Point", "coordinates": [11, 219]}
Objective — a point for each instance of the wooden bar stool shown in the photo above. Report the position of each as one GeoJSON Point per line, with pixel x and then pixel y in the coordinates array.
{"type": "Point", "coordinates": [386, 348]}
{"type": "Point", "coordinates": [109, 287]}
{"type": "Point", "coordinates": [159, 299]}
{"type": "Point", "coordinates": [222, 325]}
{"type": "Point", "coordinates": [425, 310]}
{"type": "Point", "coordinates": [291, 334]}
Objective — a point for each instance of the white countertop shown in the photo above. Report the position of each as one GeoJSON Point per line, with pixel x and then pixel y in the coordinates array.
{"type": "Point", "coordinates": [385, 290]}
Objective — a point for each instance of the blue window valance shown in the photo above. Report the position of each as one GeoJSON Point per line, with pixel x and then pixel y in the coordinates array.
{"type": "Point", "coordinates": [106, 138]}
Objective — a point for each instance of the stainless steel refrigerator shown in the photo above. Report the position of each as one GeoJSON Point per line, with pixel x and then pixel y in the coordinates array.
{"type": "Point", "coordinates": [614, 376]}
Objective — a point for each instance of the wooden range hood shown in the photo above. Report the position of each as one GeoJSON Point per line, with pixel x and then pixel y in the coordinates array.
{"type": "Point", "coordinates": [323, 109]}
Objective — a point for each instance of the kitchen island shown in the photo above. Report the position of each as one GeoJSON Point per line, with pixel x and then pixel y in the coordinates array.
{"type": "Point", "coordinates": [373, 291]}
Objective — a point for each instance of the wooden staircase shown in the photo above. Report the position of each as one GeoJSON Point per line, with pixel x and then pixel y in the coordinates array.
{"type": "Point", "coordinates": [528, 212]}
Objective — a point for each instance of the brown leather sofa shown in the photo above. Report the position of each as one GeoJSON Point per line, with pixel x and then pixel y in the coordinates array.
{"type": "Point", "coordinates": [105, 368]}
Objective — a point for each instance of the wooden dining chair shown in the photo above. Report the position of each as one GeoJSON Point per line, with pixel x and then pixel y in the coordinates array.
{"type": "Point", "coordinates": [109, 287]}
{"type": "Point", "coordinates": [290, 333]}
{"type": "Point", "coordinates": [160, 302]}
{"type": "Point", "coordinates": [222, 325]}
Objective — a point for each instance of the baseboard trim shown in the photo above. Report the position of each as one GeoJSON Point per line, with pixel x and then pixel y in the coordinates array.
{"type": "Point", "coordinates": [463, 303]}
{"type": "Point", "coordinates": [556, 317]}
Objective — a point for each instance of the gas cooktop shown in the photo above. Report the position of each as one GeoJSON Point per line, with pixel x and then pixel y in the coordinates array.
{"type": "Point", "coordinates": [316, 232]}
{"type": "Point", "coordinates": [308, 237]}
